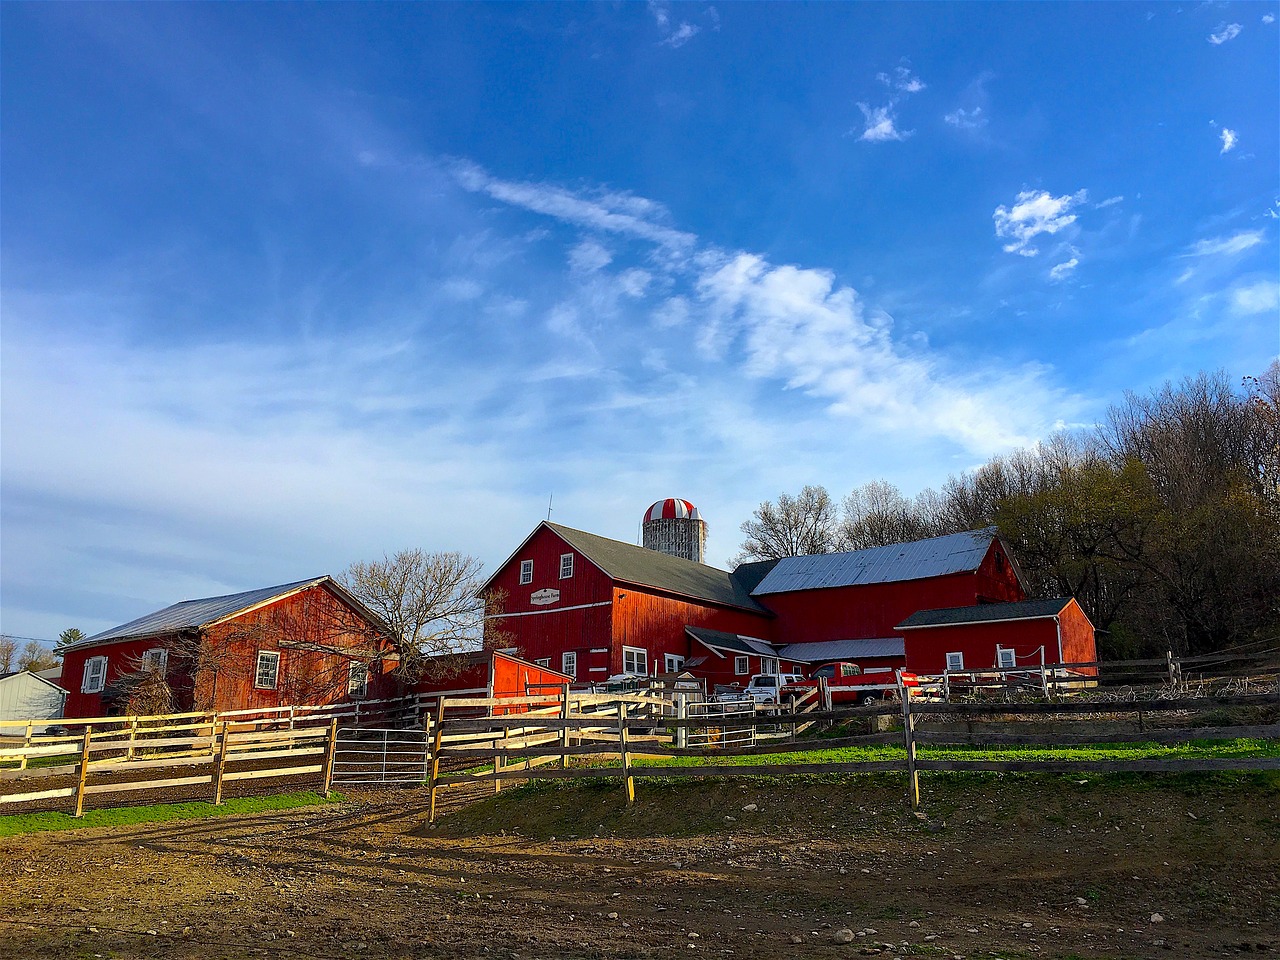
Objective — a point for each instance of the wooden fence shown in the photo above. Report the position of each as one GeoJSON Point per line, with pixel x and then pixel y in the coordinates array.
{"type": "Point", "coordinates": [544, 743]}
{"type": "Point", "coordinates": [108, 763]}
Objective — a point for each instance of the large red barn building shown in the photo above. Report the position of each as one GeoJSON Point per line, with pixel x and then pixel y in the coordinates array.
{"type": "Point", "coordinates": [304, 643]}
{"type": "Point", "coordinates": [595, 607]}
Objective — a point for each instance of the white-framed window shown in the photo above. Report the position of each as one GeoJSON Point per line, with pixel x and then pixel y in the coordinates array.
{"type": "Point", "coordinates": [768, 664]}
{"type": "Point", "coordinates": [526, 571]}
{"type": "Point", "coordinates": [267, 672]}
{"type": "Point", "coordinates": [543, 661]}
{"type": "Point", "coordinates": [635, 660]}
{"type": "Point", "coordinates": [1005, 658]}
{"type": "Point", "coordinates": [672, 663]}
{"type": "Point", "coordinates": [157, 659]}
{"type": "Point", "coordinates": [566, 566]}
{"type": "Point", "coordinates": [357, 680]}
{"type": "Point", "coordinates": [569, 664]}
{"type": "Point", "coordinates": [955, 661]}
{"type": "Point", "coordinates": [741, 666]}
{"type": "Point", "coordinates": [95, 675]}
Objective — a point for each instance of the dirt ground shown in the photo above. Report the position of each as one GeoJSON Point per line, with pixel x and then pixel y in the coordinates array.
{"type": "Point", "coordinates": [1000, 867]}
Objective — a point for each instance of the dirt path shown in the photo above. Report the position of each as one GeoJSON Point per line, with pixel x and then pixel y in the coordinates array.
{"type": "Point", "coordinates": [1007, 869]}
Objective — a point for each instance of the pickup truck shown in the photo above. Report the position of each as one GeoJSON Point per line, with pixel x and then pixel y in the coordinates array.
{"type": "Point", "coordinates": [762, 688]}
{"type": "Point", "coordinates": [849, 684]}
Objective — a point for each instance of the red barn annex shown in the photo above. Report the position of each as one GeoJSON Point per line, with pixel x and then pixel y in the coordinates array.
{"type": "Point", "coordinates": [594, 607]}
{"type": "Point", "coordinates": [302, 643]}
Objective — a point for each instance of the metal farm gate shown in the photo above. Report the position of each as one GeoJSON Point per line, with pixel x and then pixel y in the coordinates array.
{"type": "Point", "coordinates": [382, 756]}
{"type": "Point", "coordinates": [737, 728]}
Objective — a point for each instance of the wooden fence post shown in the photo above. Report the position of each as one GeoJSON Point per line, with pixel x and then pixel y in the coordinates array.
{"type": "Point", "coordinates": [26, 744]}
{"type": "Point", "coordinates": [84, 770]}
{"type": "Point", "coordinates": [330, 755]}
{"type": "Point", "coordinates": [682, 713]}
{"type": "Point", "coordinates": [629, 780]}
{"type": "Point", "coordinates": [220, 766]}
{"type": "Point", "coordinates": [435, 758]}
{"type": "Point", "coordinates": [500, 760]}
{"type": "Point", "coordinates": [564, 734]}
{"type": "Point", "coordinates": [946, 685]}
{"type": "Point", "coordinates": [909, 736]}
{"type": "Point", "coordinates": [133, 737]}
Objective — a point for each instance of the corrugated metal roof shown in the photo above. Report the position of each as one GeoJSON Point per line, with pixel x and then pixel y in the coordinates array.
{"type": "Point", "coordinates": [625, 561]}
{"type": "Point", "coordinates": [825, 651]}
{"type": "Point", "coordinates": [190, 614]}
{"type": "Point", "coordinates": [987, 613]}
{"type": "Point", "coordinates": [954, 553]}
{"type": "Point", "coordinates": [732, 641]}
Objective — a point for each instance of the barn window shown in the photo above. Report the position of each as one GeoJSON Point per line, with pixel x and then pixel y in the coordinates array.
{"type": "Point", "coordinates": [543, 661]}
{"type": "Point", "coordinates": [566, 566]}
{"type": "Point", "coordinates": [156, 659]}
{"type": "Point", "coordinates": [357, 680]}
{"type": "Point", "coordinates": [267, 673]}
{"type": "Point", "coordinates": [569, 664]}
{"type": "Point", "coordinates": [672, 663]}
{"type": "Point", "coordinates": [526, 571]}
{"type": "Point", "coordinates": [955, 661]}
{"type": "Point", "coordinates": [635, 660]}
{"type": "Point", "coordinates": [768, 664]}
{"type": "Point", "coordinates": [1005, 658]}
{"type": "Point", "coordinates": [741, 666]}
{"type": "Point", "coordinates": [95, 675]}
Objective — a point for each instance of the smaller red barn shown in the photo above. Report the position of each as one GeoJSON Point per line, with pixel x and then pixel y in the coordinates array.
{"type": "Point", "coordinates": [1003, 636]}
{"type": "Point", "coordinates": [492, 673]}
{"type": "Point", "coordinates": [304, 643]}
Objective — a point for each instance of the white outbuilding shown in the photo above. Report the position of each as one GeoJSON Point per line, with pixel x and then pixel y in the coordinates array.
{"type": "Point", "coordinates": [25, 696]}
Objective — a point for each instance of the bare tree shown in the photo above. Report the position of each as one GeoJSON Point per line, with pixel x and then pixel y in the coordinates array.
{"type": "Point", "coordinates": [876, 514]}
{"type": "Point", "coordinates": [792, 527]}
{"type": "Point", "coordinates": [8, 653]}
{"type": "Point", "coordinates": [429, 602]}
{"type": "Point", "coordinates": [36, 656]}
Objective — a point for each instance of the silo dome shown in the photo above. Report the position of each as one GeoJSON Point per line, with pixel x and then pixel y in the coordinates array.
{"type": "Point", "coordinates": [672, 508]}
{"type": "Point", "coordinates": [674, 527]}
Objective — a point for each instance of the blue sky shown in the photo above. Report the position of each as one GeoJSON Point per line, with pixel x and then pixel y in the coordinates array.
{"type": "Point", "coordinates": [285, 287]}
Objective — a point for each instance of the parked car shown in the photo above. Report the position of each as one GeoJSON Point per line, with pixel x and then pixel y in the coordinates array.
{"type": "Point", "coordinates": [849, 683]}
{"type": "Point", "coordinates": [763, 687]}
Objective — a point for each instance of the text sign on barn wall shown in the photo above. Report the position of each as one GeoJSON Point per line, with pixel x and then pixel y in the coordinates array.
{"type": "Point", "coordinates": [543, 597]}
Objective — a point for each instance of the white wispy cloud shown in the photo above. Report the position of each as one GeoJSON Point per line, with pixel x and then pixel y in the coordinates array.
{"type": "Point", "coordinates": [1226, 246]}
{"type": "Point", "coordinates": [1254, 298]}
{"type": "Point", "coordinates": [676, 35]}
{"type": "Point", "coordinates": [964, 119]}
{"type": "Point", "coordinates": [589, 256]}
{"type": "Point", "coordinates": [902, 80]}
{"type": "Point", "coordinates": [1225, 32]}
{"type": "Point", "coordinates": [1064, 269]}
{"type": "Point", "coordinates": [1268, 18]}
{"type": "Point", "coordinates": [613, 212]}
{"type": "Point", "coordinates": [1109, 202]}
{"type": "Point", "coordinates": [1034, 213]}
{"type": "Point", "coordinates": [1228, 140]}
{"type": "Point", "coordinates": [881, 124]}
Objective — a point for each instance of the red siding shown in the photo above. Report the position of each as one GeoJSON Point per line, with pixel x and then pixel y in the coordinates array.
{"type": "Point", "coordinates": [656, 622]}
{"type": "Point", "coordinates": [927, 647]}
{"type": "Point", "coordinates": [313, 617]}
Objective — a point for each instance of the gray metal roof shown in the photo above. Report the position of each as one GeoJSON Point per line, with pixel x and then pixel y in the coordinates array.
{"type": "Point", "coordinates": [954, 553]}
{"type": "Point", "coordinates": [826, 651]}
{"type": "Point", "coordinates": [192, 614]}
{"type": "Point", "coordinates": [732, 641]}
{"type": "Point", "coordinates": [986, 613]}
{"type": "Point", "coordinates": [625, 561]}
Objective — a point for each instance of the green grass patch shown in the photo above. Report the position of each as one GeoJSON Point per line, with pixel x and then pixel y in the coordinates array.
{"type": "Point", "coordinates": [1193, 750]}
{"type": "Point", "coordinates": [21, 823]}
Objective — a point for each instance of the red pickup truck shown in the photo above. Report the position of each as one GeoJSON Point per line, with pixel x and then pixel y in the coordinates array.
{"type": "Point", "coordinates": [849, 684]}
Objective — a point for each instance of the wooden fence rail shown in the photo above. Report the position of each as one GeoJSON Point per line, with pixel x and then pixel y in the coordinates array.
{"type": "Point", "coordinates": [524, 749]}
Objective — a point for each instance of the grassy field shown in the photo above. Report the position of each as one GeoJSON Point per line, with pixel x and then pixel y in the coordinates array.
{"type": "Point", "coordinates": [22, 823]}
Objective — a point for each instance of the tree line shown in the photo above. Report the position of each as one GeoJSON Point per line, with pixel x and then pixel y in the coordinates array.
{"type": "Point", "coordinates": [1163, 521]}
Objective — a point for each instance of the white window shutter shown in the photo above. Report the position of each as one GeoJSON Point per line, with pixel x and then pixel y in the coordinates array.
{"type": "Point", "coordinates": [88, 668]}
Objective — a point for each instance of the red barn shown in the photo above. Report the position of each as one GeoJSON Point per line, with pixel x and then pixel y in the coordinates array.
{"type": "Point", "coordinates": [302, 643]}
{"type": "Point", "coordinates": [594, 607]}
{"type": "Point", "coordinates": [1000, 636]}
{"type": "Point", "coordinates": [865, 594]}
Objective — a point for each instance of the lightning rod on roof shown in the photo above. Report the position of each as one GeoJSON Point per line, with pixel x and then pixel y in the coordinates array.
{"type": "Point", "coordinates": [549, 499]}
